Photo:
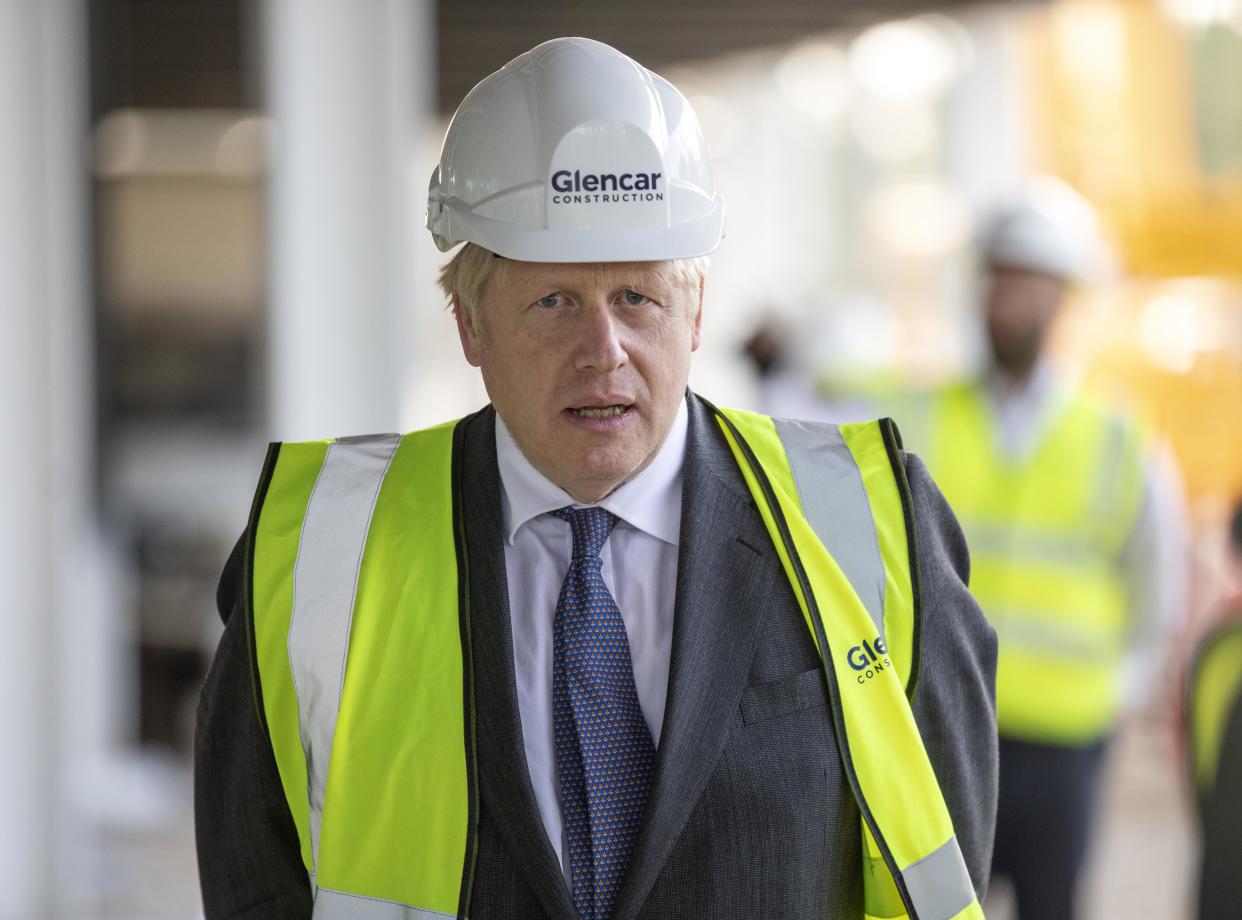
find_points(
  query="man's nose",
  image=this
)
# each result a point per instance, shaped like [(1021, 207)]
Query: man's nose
[(600, 345)]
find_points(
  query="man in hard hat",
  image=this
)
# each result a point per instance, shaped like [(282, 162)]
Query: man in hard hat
[(600, 649), (1075, 538)]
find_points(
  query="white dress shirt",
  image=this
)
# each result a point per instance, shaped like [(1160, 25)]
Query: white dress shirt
[(640, 569), (1023, 410)]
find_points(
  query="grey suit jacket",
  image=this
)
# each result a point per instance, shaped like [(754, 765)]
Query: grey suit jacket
[(749, 813)]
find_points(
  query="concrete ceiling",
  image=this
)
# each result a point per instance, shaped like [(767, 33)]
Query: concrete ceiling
[(478, 36), (206, 53)]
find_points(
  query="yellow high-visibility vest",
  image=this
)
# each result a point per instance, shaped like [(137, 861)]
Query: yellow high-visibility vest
[(1046, 534), (1215, 685), (362, 641)]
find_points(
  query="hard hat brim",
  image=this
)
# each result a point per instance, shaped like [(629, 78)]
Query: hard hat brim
[(686, 240)]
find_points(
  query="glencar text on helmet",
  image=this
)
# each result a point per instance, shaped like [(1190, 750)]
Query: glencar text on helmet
[(640, 186)]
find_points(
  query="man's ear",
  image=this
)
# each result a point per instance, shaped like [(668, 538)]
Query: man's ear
[(696, 327), (468, 332)]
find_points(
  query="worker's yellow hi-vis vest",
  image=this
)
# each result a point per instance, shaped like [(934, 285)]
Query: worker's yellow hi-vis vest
[(1214, 687), (360, 610), (1046, 534)]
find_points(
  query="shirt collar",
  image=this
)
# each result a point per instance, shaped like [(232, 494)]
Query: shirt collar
[(1039, 387), (650, 502)]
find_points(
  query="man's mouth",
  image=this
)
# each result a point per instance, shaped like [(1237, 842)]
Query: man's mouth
[(600, 411)]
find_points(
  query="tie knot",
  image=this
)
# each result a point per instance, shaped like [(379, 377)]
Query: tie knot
[(590, 528)]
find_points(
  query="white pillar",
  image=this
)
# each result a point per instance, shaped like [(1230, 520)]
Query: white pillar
[(44, 429), (342, 78)]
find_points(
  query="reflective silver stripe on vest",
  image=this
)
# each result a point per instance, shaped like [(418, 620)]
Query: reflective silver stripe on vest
[(837, 507), (325, 576), (1028, 629), (1108, 476), (1013, 543), (336, 905), (939, 884), (1108, 501)]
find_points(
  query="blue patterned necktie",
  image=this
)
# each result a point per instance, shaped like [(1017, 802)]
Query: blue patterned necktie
[(604, 752)]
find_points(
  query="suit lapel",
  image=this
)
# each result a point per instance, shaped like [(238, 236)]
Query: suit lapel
[(725, 574), (504, 779)]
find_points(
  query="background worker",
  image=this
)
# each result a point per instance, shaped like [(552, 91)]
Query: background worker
[(548, 661), (1075, 531), (1213, 724)]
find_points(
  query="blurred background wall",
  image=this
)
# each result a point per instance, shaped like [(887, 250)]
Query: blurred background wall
[(211, 237)]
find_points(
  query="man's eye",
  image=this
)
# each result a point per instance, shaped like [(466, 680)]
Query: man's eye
[(551, 300), (634, 299)]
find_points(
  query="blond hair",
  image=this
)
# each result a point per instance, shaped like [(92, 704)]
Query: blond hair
[(467, 275)]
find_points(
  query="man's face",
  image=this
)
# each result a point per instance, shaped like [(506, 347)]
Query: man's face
[(586, 364), (1018, 310)]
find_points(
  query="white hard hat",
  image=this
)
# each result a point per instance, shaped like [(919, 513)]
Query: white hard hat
[(1051, 229), (573, 152)]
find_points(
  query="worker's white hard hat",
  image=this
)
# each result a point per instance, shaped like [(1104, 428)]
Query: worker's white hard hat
[(573, 152), (1052, 229)]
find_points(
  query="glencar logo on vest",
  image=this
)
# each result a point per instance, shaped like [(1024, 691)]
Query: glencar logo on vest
[(578, 187), (869, 659)]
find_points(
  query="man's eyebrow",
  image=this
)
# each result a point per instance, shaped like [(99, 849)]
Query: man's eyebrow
[(657, 281)]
